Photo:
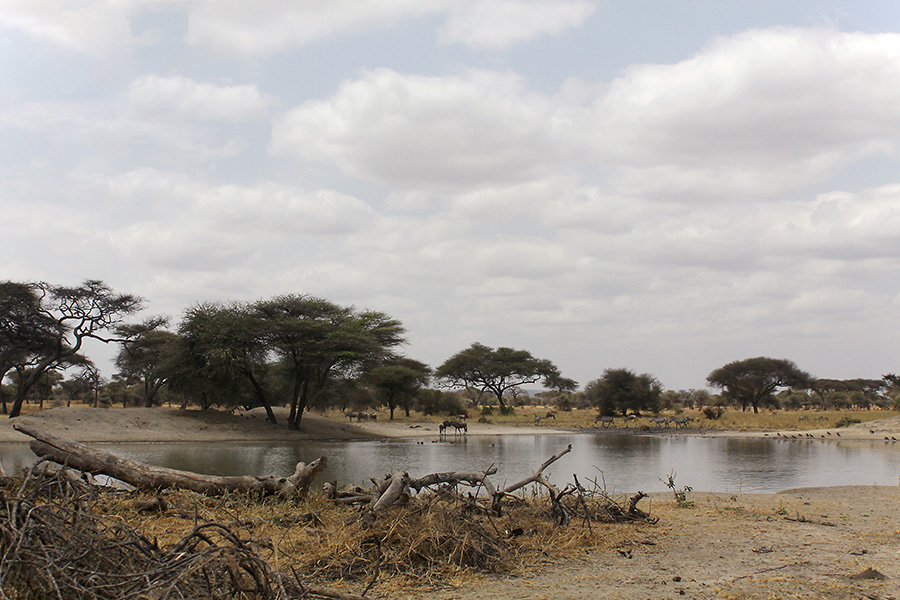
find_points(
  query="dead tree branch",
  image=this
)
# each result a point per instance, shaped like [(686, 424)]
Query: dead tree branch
[(146, 477)]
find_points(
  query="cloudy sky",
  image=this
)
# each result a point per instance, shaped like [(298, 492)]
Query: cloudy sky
[(660, 185)]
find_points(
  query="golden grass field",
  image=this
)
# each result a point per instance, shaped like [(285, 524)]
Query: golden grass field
[(731, 420)]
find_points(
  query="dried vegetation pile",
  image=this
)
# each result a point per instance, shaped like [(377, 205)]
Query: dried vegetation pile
[(62, 536)]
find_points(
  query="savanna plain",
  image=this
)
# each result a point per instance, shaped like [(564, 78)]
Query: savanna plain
[(823, 542)]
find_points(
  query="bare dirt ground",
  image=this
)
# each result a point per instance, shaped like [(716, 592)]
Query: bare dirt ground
[(828, 543), (160, 424)]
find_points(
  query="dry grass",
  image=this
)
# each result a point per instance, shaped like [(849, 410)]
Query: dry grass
[(426, 543), (731, 420)]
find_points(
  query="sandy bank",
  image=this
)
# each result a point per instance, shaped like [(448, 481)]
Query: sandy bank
[(174, 425)]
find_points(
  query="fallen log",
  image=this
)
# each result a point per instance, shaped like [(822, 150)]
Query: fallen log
[(147, 477)]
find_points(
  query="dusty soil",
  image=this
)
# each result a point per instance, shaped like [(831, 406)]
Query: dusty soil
[(829, 543), (160, 424)]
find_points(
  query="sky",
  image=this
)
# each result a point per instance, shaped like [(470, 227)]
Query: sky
[(664, 186)]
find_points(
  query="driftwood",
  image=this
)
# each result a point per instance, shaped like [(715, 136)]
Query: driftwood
[(536, 477), (146, 477), (573, 500)]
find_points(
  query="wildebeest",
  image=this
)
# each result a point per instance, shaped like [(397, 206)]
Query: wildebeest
[(550, 415), (456, 425), (362, 416), (604, 421)]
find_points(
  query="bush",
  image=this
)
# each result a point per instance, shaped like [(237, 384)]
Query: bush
[(714, 413), (507, 411), (844, 421)]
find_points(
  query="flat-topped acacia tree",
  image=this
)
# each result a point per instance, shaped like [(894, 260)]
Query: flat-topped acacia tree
[(751, 380), (484, 368), (308, 338), (316, 339)]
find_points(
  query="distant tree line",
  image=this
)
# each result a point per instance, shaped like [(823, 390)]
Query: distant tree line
[(303, 352)]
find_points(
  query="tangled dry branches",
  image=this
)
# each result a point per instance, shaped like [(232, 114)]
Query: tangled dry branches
[(62, 537)]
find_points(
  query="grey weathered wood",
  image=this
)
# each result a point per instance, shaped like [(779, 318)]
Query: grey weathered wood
[(147, 477)]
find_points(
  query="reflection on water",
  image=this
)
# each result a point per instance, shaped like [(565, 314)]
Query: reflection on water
[(618, 462)]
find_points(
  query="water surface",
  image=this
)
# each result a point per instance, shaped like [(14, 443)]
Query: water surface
[(618, 462)]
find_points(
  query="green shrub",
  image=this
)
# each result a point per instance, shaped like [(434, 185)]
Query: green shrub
[(714, 413), (844, 421)]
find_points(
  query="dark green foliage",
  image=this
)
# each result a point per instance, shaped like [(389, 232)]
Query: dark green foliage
[(844, 421), (439, 402), (714, 413), (752, 381), (620, 391), (482, 368), (43, 327), (308, 340), (146, 356), (397, 381)]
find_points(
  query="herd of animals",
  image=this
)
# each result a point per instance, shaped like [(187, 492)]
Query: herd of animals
[(460, 427)]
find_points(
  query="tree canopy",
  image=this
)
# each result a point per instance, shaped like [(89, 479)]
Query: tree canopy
[(146, 355), (315, 339), (397, 381), (307, 339), (752, 380), (620, 390), (43, 327), (482, 368)]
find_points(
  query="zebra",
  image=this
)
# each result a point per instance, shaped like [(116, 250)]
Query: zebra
[(604, 421), (660, 421), (537, 420), (681, 421)]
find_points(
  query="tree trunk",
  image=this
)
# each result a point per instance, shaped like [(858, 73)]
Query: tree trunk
[(146, 477), (261, 396)]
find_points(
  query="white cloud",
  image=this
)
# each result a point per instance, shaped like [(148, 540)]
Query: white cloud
[(499, 24), (433, 132), (764, 110), (153, 94), (96, 27), (264, 27), (268, 207), (270, 26), (235, 27)]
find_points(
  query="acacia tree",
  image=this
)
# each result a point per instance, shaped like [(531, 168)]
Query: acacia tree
[(620, 390), (397, 381), (752, 380), (146, 351), (45, 326), (483, 368), (221, 342), (316, 339)]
